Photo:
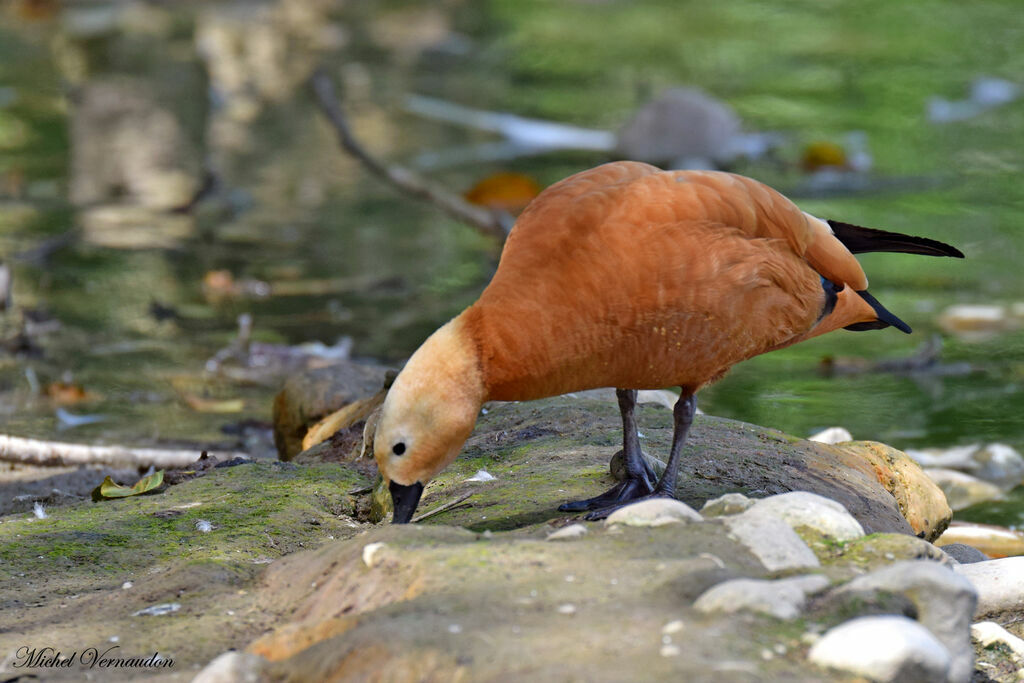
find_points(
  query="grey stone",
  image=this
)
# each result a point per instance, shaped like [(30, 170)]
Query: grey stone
[(963, 553), (654, 512), (999, 463), (771, 540), (1000, 585), (729, 504), (885, 649), (782, 598), (944, 600), (680, 122), (802, 508)]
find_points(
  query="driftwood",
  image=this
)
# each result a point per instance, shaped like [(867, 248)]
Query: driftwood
[(59, 454), (492, 223)]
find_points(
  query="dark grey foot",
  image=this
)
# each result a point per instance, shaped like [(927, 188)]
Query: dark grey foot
[(623, 493), (604, 512)]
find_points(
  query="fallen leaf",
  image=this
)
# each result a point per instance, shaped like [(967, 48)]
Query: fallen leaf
[(210, 405), (111, 489), (347, 416), (823, 154), (67, 393), (504, 191)]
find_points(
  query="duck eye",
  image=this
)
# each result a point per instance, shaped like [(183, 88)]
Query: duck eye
[(398, 448)]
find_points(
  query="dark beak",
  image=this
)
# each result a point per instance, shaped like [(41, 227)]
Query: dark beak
[(405, 499)]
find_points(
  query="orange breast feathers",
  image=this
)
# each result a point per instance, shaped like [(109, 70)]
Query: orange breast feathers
[(629, 276)]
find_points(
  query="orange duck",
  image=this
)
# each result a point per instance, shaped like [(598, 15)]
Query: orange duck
[(631, 277)]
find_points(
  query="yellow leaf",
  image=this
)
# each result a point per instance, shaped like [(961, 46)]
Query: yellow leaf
[(111, 489)]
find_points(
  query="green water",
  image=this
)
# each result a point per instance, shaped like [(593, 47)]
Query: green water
[(291, 207)]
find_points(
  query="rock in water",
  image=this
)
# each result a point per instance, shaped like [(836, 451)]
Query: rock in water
[(888, 649), (989, 541), (962, 490), (680, 124)]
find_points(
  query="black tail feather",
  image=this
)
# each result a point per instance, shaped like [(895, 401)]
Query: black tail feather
[(885, 318), (860, 240)]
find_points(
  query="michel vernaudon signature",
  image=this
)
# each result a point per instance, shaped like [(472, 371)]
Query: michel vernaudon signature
[(90, 658)]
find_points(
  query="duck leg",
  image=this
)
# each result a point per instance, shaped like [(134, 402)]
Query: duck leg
[(639, 479), (682, 414)]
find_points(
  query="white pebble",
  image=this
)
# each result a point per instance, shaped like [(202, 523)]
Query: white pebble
[(567, 608), (454, 628), (158, 610), (832, 435), (670, 651), (990, 633), (567, 533), (654, 512), (673, 627), (126, 585), (369, 551)]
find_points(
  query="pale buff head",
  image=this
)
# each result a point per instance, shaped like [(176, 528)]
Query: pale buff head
[(428, 414)]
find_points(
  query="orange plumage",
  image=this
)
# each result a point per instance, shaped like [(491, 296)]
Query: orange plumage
[(630, 277)]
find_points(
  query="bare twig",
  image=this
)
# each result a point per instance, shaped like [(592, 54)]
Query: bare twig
[(441, 508), (59, 454), (494, 224)]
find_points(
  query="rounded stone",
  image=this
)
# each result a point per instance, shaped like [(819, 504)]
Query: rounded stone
[(654, 512), (885, 649), (782, 598), (802, 508), (567, 533), (728, 504), (1000, 585)]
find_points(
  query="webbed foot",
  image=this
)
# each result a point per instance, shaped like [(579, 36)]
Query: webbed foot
[(623, 493)]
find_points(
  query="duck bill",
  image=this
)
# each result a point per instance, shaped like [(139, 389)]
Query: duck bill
[(404, 499)]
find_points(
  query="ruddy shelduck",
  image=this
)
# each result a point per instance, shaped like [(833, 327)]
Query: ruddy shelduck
[(630, 277)]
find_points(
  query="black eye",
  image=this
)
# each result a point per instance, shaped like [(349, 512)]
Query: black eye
[(398, 448)]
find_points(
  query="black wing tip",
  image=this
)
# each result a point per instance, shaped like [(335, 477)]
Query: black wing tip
[(859, 240)]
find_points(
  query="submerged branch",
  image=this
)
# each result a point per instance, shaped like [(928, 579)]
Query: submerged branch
[(59, 454), (491, 223)]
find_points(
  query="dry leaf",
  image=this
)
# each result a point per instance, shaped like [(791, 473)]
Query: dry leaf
[(504, 192), (341, 419), (212, 405), (111, 489)]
